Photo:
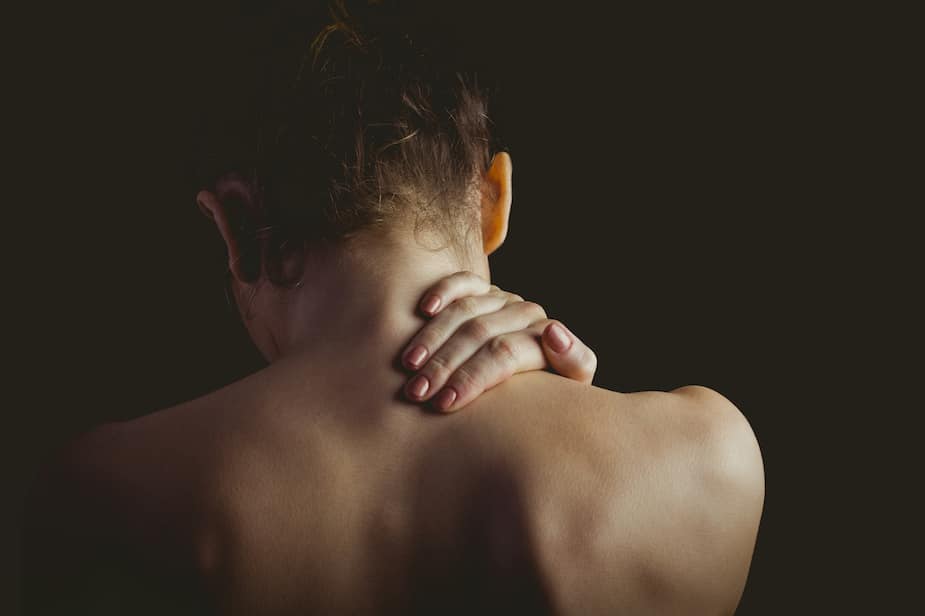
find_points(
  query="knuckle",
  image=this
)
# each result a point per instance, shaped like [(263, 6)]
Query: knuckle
[(476, 329), (438, 367), (502, 350), (534, 309), (431, 336), (468, 306), (516, 298), (465, 381)]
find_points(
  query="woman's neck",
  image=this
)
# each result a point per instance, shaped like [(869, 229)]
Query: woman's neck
[(360, 295)]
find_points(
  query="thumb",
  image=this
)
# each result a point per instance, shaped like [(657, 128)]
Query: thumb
[(568, 355)]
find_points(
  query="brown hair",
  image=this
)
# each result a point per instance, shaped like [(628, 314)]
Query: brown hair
[(376, 121)]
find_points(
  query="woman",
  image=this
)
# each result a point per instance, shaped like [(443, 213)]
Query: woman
[(320, 484)]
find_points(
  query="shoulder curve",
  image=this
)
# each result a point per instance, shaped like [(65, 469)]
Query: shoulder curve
[(64, 496), (727, 433), (682, 503), (60, 529), (71, 463), (729, 476)]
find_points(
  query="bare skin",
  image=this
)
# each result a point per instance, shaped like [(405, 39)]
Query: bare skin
[(317, 486)]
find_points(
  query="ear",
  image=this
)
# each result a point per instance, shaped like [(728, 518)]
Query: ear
[(212, 207), (496, 201)]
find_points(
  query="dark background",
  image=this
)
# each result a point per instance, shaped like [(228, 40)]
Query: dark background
[(693, 195)]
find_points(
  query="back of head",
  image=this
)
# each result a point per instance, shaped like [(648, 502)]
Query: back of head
[(360, 116)]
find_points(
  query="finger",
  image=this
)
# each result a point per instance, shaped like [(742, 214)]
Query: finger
[(494, 363), (511, 297), (567, 354), (449, 289), (519, 351), (466, 340), (438, 330)]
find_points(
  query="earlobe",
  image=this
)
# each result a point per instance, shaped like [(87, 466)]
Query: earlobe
[(497, 196)]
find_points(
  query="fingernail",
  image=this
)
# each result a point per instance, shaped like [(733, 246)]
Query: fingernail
[(431, 304), (415, 356), (559, 341), (418, 386), (445, 398)]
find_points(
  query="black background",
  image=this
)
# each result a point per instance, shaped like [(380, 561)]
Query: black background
[(689, 197)]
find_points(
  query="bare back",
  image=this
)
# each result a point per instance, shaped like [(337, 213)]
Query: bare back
[(293, 492)]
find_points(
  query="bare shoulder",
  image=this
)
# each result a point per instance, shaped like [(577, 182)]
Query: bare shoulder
[(86, 491), (68, 529), (646, 502), (108, 516), (70, 486), (125, 468), (716, 504)]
